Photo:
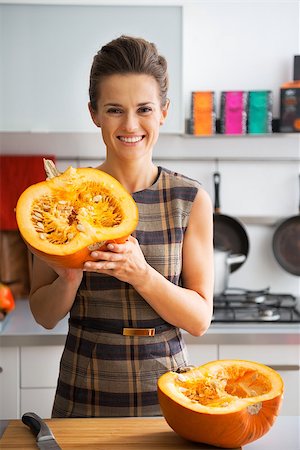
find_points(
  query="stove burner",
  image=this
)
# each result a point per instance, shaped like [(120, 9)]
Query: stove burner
[(258, 298), (241, 305), (269, 315), (253, 296)]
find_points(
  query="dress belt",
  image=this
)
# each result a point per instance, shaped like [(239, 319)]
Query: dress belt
[(106, 326)]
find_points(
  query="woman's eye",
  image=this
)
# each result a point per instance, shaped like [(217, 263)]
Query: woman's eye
[(114, 111), (145, 109)]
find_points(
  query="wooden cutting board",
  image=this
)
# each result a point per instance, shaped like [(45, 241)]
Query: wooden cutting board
[(105, 433)]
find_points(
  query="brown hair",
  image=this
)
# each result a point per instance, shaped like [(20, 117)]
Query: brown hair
[(125, 55)]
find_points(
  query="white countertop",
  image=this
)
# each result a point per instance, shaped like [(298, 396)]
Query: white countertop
[(20, 326)]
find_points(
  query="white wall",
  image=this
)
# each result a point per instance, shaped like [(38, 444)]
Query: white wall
[(47, 52), (232, 45)]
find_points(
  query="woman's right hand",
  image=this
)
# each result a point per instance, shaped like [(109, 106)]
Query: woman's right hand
[(67, 274)]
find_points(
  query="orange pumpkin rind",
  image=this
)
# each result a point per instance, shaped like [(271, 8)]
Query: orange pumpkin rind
[(64, 218), (225, 403)]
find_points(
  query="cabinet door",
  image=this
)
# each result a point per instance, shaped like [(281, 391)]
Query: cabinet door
[(283, 358), (202, 354), (40, 366), (38, 400), (9, 383)]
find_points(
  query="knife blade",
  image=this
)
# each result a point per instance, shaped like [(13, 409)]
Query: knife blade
[(44, 436)]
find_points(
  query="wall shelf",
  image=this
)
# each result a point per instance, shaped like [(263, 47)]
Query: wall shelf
[(194, 158), (243, 136), (274, 133)]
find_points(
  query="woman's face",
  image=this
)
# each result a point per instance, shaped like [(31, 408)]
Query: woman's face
[(129, 114)]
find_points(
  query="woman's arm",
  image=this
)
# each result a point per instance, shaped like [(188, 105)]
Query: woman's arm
[(53, 292), (188, 307)]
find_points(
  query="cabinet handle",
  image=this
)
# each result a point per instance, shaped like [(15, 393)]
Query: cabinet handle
[(285, 367), (1, 369)]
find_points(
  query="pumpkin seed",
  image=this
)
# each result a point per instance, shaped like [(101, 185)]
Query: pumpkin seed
[(83, 212), (37, 214), (40, 225)]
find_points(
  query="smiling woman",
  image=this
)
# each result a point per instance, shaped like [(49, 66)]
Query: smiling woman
[(130, 301)]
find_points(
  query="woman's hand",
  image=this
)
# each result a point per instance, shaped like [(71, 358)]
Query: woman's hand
[(123, 261), (69, 275)]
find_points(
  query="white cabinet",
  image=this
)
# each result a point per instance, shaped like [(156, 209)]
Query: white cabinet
[(40, 365), (9, 382), (28, 379), (283, 358), (39, 374), (202, 354), (198, 353), (38, 400)]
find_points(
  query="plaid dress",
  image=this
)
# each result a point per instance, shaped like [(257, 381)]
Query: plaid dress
[(104, 374)]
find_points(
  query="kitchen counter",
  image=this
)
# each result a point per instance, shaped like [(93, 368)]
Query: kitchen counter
[(21, 329), (139, 434)]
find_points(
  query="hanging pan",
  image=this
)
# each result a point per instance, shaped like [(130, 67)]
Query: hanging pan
[(229, 233), (286, 244)]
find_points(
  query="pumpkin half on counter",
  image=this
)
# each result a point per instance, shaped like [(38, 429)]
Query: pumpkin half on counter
[(225, 403), (67, 216)]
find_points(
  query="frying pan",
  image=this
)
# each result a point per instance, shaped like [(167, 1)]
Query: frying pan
[(229, 233), (286, 244)]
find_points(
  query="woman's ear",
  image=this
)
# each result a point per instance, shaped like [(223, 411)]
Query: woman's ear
[(164, 112), (93, 114)]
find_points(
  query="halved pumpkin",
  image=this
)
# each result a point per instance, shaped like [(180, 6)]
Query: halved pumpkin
[(226, 403), (65, 217)]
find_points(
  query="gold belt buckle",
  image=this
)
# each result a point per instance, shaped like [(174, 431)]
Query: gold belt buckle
[(138, 331)]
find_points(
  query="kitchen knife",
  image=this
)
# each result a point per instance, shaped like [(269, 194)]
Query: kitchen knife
[(44, 436)]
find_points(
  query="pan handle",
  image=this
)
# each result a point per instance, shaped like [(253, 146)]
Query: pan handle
[(217, 180)]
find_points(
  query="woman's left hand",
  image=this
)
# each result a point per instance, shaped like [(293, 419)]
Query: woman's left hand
[(123, 261)]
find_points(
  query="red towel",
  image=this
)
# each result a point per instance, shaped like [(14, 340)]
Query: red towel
[(16, 174)]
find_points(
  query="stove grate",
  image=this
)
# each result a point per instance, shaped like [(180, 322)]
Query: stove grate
[(255, 306)]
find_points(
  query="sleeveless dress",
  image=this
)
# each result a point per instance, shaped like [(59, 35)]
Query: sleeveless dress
[(107, 374)]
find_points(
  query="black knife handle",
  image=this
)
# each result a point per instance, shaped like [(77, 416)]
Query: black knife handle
[(37, 425)]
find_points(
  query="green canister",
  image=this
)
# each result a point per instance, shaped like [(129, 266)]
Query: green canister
[(260, 112)]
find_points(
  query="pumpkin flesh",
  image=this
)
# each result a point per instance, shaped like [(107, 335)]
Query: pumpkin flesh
[(64, 218), (226, 403)]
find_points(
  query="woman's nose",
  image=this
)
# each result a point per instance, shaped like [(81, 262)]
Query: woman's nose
[(130, 122)]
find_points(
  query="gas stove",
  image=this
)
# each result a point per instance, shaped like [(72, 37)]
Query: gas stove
[(241, 305)]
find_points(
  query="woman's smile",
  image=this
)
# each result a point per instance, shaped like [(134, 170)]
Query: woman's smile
[(130, 140)]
